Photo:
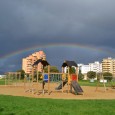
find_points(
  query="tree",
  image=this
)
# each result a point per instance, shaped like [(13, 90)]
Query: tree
[(53, 69), (91, 74), (72, 70), (80, 75), (22, 73), (107, 76)]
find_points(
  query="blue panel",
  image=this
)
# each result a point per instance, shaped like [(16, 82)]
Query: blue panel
[(46, 77)]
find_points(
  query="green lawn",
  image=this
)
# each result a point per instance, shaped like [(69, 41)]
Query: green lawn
[(8, 82), (10, 105), (95, 83), (2, 81)]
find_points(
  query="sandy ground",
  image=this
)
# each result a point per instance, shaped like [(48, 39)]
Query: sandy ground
[(30, 90)]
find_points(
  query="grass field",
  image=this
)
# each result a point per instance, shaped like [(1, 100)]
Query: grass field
[(2, 81), (95, 83), (10, 105), (8, 82)]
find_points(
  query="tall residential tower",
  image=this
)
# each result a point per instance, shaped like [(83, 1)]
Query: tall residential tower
[(29, 61), (108, 65)]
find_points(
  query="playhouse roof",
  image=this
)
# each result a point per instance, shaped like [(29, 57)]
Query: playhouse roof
[(43, 62), (69, 63)]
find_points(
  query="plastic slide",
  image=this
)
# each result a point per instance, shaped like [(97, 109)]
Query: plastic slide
[(76, 87), (60, 86)]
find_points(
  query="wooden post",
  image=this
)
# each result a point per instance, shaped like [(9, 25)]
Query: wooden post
[(68, 78), (62, 69), (16, 79), (43, 83), (24, 81), (32, 74), (62, 82), (77, 73), (98, 84), (104, 84), (19, 76), (48, 79), (8, 78), (5, 79), (37, 75), (62, 78)]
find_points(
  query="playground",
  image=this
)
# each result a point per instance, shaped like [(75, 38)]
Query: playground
[(53, 85)]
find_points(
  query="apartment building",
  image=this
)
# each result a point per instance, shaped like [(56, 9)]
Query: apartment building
[(84, 68), (29, 61), (108, 65), (96, 67)]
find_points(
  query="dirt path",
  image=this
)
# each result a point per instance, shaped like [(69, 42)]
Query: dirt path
[(89, 92)]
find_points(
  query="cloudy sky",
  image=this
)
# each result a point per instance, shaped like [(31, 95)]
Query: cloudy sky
[(79, 30)]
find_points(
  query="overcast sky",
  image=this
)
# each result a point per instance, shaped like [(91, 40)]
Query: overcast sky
[(28, 23)]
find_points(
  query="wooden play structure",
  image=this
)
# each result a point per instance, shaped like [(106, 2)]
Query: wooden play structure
[(72, 77), (33, 83), (12, 78), (47, 78)]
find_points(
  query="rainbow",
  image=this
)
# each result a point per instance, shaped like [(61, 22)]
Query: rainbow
[(56, 45)]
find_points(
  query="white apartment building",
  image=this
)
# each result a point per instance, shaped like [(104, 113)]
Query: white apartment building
[(84, 68), (96, 67)]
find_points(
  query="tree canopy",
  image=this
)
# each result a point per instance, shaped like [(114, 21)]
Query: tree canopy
[(22, 73), (91, 74), (53, 69), (107, 76), (72, 70), (80, 75)]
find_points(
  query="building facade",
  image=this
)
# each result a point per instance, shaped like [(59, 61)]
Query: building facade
[(96, 67), (84, 68), (29, 61), (108, 65)]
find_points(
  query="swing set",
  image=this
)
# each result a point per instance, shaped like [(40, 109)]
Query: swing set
[(106, 83), (12, 78)]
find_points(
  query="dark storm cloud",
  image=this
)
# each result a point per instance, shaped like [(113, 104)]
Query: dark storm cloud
[(26, 23)]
